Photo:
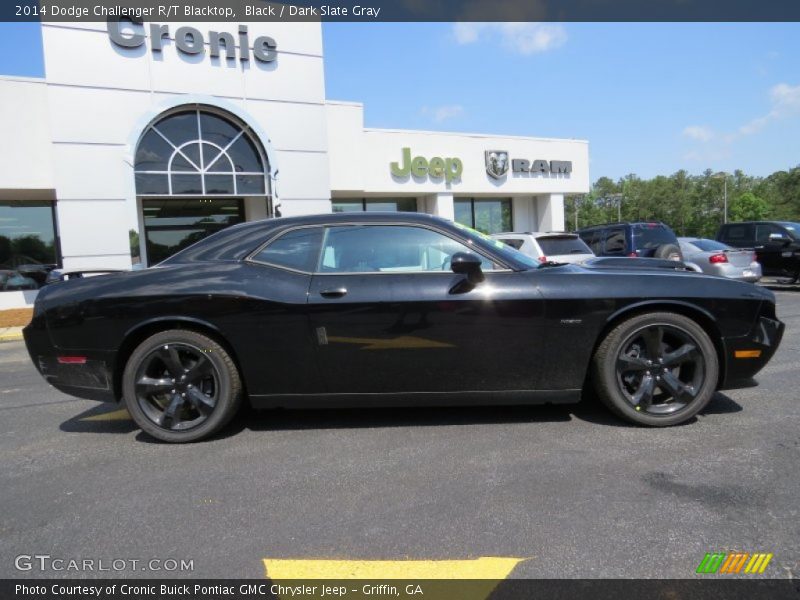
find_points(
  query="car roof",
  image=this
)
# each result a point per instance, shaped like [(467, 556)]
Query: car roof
[(236, 242), (622, 224), (538, 234)]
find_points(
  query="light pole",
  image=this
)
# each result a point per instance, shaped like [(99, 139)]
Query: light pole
[(618, 198), (724, 176)]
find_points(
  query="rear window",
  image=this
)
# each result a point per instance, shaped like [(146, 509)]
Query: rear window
[(708, 245), (557, 246), (652, 236), (514, 243)]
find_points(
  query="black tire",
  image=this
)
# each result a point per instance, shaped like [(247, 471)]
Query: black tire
[(634, 361), (668, 252), (181, 386)]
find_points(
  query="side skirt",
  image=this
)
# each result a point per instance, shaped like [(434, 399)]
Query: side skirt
[(491, 398)]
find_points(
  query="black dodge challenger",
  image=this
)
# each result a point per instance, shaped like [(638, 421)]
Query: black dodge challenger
[(375, 309)]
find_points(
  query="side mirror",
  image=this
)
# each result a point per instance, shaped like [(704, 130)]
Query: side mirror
[(466, 263)]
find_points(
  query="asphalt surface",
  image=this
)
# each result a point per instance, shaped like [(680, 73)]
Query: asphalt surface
[(572, 490)]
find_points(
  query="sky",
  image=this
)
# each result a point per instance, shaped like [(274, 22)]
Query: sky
[(651, 98)]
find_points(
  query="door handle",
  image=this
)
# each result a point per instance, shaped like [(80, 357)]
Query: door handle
[(333, 292)]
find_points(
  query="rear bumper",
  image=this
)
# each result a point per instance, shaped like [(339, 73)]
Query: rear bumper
[(745, 356), (91, 378)]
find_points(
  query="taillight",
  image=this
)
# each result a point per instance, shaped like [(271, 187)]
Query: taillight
[(72, 360), (715, 259), (633, 255), (754, 258), (542, 259)]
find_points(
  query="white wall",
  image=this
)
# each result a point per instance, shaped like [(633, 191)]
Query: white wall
[(25, 152), (100, 96), (360, 160)]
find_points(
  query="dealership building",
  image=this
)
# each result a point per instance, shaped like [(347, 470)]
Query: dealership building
[(145, 137)]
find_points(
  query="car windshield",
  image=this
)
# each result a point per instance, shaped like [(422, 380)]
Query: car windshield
[(709, 245), (563, 244), (499, 247), (793, 229), (652, 235)]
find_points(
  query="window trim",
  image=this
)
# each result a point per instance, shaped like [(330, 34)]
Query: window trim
[(250, 257), (203, 170)]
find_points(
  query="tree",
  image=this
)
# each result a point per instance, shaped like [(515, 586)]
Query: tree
[(747, 207), (133, 236)]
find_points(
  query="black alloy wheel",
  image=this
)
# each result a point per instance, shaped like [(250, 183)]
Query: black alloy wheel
[(181, 386), (656, 369)]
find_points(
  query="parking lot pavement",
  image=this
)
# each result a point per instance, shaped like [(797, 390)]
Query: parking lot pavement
[(570, 491)]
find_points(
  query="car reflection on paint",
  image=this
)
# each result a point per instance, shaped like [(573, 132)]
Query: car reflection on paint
[(392, 309), (12, 281)]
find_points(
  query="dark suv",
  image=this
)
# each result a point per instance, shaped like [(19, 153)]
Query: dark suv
[(777, 244), (644, 240)]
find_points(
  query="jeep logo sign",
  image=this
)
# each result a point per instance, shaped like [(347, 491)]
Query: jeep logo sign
[(130, 33), (436, 167)]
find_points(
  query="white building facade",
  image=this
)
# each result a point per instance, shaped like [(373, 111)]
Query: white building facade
[(144, 137)]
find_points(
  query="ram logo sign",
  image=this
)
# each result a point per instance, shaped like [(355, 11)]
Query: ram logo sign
[(734, 563)]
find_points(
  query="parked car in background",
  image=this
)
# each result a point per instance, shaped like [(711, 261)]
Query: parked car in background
[(37, 272), (777, 244), (716, 258), (14, 281), (642, 240), (558, 247)]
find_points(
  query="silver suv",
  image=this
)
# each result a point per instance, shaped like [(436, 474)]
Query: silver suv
[(550, 246)]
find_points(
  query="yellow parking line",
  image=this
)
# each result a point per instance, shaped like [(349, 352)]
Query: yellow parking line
[(487, 567), (117, 415)]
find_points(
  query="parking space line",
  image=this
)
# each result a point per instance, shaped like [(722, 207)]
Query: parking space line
[(487, 567)]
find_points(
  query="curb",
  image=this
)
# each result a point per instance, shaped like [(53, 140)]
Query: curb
[(11, 337)]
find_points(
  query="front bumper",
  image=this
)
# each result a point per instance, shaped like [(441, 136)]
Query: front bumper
[(745, 356)]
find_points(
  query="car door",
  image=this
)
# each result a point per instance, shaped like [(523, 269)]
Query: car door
[(276, 347), (770, 247), (390, 316)]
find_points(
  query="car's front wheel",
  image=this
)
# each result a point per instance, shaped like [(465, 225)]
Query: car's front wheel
[(656, 369), (181, 386)]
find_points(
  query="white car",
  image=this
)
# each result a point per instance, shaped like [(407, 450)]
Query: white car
[(550, 246)]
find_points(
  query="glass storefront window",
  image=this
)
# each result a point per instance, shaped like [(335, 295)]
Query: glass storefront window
[(487, 215), (375, 204), (27, 244), (173, 224)]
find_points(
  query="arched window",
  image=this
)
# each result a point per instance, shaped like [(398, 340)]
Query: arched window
[(200, 152)]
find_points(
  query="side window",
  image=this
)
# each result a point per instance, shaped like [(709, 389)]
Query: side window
[(764, 230), (387, 249), (615, 241), (735, 233), (297, 249), (594, 240)]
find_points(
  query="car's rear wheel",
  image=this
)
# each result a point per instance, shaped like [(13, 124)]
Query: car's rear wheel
[(181, 386), (656, 369)]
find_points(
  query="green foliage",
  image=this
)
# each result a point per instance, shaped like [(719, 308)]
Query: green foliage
[(133, 237), (748, 207), (693, 205)]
